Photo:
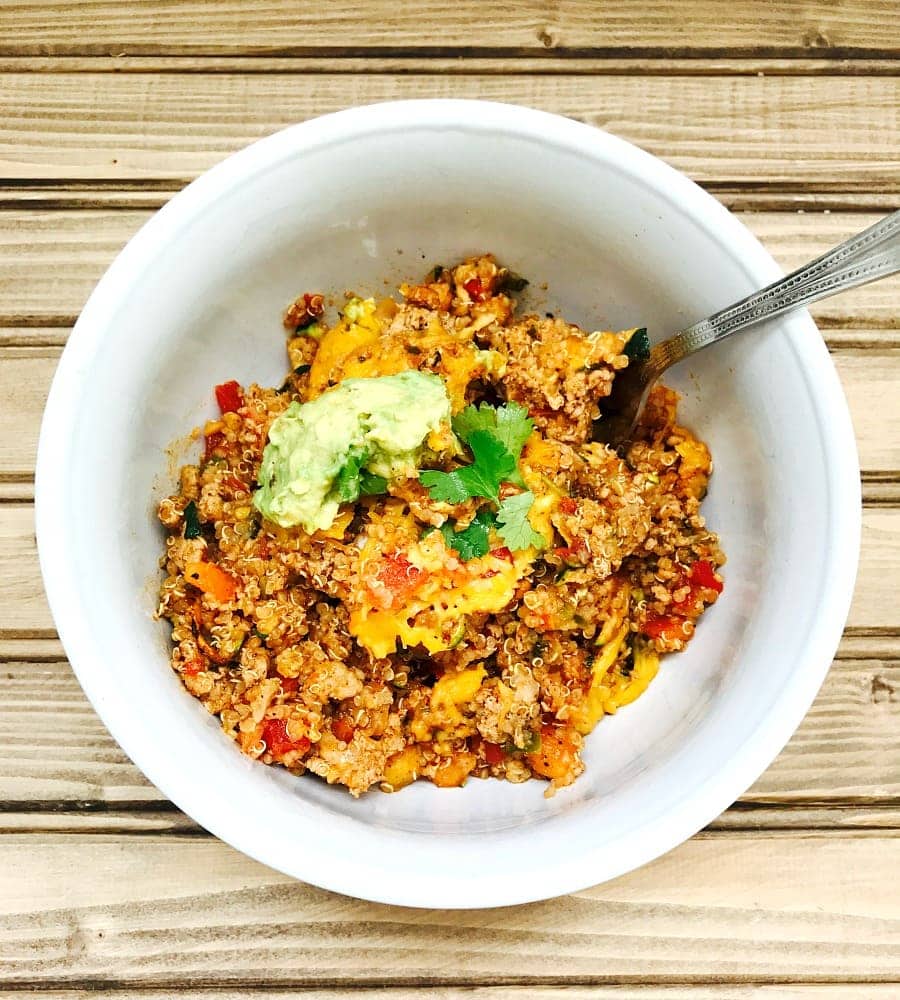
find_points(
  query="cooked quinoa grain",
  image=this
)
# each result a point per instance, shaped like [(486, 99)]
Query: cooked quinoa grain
[(433, 631)]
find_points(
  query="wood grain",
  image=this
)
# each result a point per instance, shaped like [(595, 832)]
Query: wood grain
[(54, 749), (162, 818), (51, 260), (786, 112), (755, 991), (254, 26), (144, 194), (804, 131), (710, 911), (595, 62), (870, 380)]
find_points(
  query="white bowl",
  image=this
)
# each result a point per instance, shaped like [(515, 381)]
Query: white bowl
[(621, 239)]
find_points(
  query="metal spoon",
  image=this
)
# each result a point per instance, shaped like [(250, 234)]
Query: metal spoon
[(872, 254)]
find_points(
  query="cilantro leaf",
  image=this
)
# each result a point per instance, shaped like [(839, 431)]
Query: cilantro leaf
[(353, 481), (191, 521), (638, 346), (493, 463), (347, 480), (514, 427), (513, 525), (509, 424), (475, 418), (473, 540), (446, 486), (371, 485)]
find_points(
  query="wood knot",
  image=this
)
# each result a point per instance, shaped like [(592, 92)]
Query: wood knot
[(546, 38), (813, 38), (883, 691)]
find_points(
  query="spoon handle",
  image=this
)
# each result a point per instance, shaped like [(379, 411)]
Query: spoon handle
[(871, 254)]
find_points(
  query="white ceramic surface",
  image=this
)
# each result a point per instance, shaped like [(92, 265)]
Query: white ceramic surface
[(384, 192)]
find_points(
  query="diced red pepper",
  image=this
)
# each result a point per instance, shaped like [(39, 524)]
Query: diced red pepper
[(663, 626), (398, 576), (342, 729), (493, 752), (476, 289), (578, 552), (568, 506), (194, 666), (703, 575), (289, 685), (503, 553), (278, 741), (229, 397), (214, 441)]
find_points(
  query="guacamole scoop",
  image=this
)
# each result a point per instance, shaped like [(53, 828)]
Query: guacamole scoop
[(348, 441)]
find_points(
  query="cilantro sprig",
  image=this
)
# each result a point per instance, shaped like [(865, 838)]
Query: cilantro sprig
[(495, 435), (509, 424), (493, 464)]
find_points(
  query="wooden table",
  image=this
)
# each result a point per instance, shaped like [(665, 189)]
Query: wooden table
[(788, 113)]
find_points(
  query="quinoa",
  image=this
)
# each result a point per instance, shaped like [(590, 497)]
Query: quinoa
[(295, 640)]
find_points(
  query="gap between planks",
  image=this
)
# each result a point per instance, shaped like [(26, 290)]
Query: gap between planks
[(161, 819), (686, 991), (63, 194), (461, 64)]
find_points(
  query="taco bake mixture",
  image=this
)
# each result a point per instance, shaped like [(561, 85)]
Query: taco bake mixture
[(410, 561)]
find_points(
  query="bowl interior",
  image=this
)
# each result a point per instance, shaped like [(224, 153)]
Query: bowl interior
[(617, 245)]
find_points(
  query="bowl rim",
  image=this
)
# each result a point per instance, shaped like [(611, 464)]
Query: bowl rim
[(444, 889)]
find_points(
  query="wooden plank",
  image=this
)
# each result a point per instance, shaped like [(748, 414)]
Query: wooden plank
[(841, 750), (756, 991), (279, 26), (872, 386), (24, 608), (25, 375), (51, 260), (800, 130), (503, 62), (870, 379), (163, 819), (50, 649), (24, 612), (181, 912), (758, 817), (54, 749)]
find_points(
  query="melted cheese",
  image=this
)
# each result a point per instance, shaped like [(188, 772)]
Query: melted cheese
[(435, 616), (360, 347), (450, 696), (348, 337)]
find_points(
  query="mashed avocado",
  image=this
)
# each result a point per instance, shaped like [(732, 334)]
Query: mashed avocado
[(328, 451)]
